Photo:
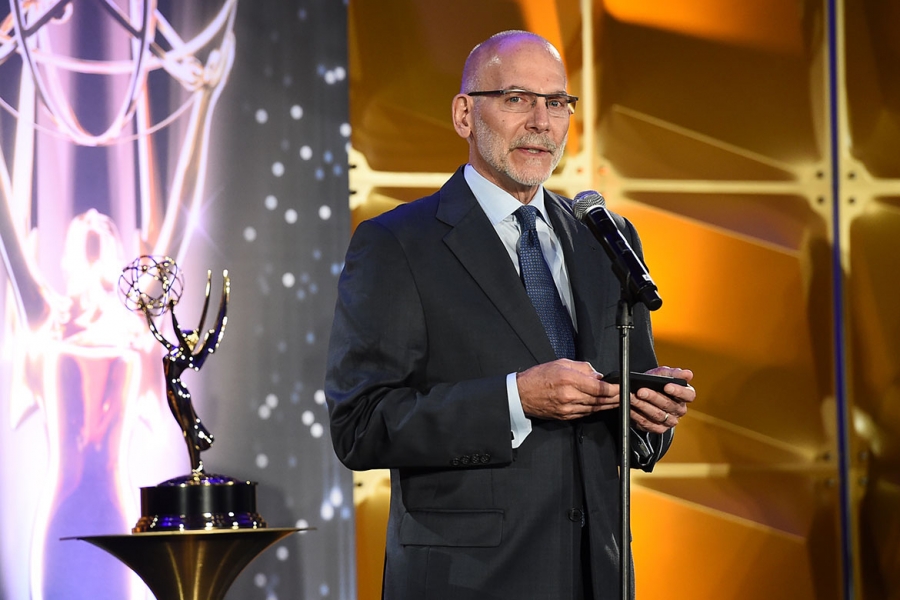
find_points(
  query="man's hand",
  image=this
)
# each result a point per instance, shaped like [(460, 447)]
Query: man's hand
[(655, 412), (564, 390)]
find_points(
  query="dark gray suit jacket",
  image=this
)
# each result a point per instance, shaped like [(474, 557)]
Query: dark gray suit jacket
[(431, 317)]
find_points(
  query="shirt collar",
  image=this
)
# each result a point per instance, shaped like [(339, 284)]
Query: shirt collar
[(497, 203)]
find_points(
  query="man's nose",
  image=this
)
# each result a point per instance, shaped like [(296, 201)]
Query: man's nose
[(539, 117)]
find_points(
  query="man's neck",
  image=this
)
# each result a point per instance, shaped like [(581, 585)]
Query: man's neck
[(523, 193)]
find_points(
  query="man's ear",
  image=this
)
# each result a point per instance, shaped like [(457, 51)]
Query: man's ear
[(462, 115)]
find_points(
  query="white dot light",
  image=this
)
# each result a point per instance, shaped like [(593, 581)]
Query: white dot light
[(345, 129), (324, 212), (306, 152), (297, 112), (264, 412), (316, 430), (319, 397), (277, 169), (271, 202), (282, 553), (262, 116), (272, 401), (290, 215), (308, 418), (288, 280), (262, 461), (249, 234), (260, 579)]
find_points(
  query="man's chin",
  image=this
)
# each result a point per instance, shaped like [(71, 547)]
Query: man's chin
[(535, 173), (531, 177)]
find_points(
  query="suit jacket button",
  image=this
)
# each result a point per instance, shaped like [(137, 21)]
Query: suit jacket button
[(485, 458), (575, 515), (454, 462), (464, 460)]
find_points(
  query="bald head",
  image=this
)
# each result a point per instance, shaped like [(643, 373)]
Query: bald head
[(490, 52)]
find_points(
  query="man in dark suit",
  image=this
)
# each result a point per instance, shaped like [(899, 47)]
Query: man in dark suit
[(493, 417)]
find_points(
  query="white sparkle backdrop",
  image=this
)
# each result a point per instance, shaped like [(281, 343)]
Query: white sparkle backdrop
[(280, 223)]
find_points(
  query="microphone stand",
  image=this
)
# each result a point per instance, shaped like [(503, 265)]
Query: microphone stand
[(625, 323), (637, 286)]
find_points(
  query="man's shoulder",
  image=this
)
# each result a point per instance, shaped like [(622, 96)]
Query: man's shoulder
[(420, 212), (410, 213)]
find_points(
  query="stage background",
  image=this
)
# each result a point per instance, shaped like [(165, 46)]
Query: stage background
[(755, 146), (83, 419)]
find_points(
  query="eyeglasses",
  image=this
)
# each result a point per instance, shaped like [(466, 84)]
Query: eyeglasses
[(523, 101)]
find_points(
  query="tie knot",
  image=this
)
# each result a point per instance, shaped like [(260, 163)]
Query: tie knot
[(526, 215)]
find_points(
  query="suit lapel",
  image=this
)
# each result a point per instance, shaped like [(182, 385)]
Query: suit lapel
[(475, 243), (593, 287)]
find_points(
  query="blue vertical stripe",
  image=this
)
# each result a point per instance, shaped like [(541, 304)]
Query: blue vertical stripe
[(840, 359)]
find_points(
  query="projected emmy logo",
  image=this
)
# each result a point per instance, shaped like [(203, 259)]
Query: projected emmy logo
[(199, 500), (106, 112)]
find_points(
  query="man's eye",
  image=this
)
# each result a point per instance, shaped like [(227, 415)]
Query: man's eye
[(556, 102), (516, 98)]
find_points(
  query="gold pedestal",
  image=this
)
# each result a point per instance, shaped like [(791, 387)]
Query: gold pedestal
[(189, 565)]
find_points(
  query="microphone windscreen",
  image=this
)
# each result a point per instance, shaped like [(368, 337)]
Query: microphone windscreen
[(585, 201)]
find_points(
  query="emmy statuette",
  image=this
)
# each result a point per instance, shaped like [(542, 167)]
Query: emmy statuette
[(196, 531)]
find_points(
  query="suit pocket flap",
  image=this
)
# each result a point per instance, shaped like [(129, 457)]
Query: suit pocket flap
[(475, 528)]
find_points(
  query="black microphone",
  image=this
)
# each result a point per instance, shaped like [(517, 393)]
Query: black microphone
[(590, 209)]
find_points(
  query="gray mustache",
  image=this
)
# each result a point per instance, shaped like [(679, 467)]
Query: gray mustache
[(535, 140)]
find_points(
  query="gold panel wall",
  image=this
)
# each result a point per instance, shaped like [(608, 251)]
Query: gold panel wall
[(869, 201), (711, 124)]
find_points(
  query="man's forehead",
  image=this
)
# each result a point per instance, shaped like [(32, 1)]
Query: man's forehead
[(520, 71)]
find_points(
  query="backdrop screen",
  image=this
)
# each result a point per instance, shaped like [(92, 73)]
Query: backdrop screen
[(214, 133)]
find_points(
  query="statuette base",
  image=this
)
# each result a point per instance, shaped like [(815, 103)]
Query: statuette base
[(199, 502)]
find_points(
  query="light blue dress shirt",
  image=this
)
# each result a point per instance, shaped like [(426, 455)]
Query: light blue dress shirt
[(499, 207)]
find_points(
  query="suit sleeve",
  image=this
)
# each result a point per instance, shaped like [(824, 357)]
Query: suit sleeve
[(647, 448), (387, 410)]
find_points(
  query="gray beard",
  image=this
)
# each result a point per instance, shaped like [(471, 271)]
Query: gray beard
[(487, 142)]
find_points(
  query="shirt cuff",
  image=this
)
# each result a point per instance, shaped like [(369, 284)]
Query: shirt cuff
[(519, 424)]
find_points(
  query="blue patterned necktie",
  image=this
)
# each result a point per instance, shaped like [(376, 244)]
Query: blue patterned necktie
[(541, 288)]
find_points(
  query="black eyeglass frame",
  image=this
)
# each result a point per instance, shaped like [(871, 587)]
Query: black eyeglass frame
[(570, 100)]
